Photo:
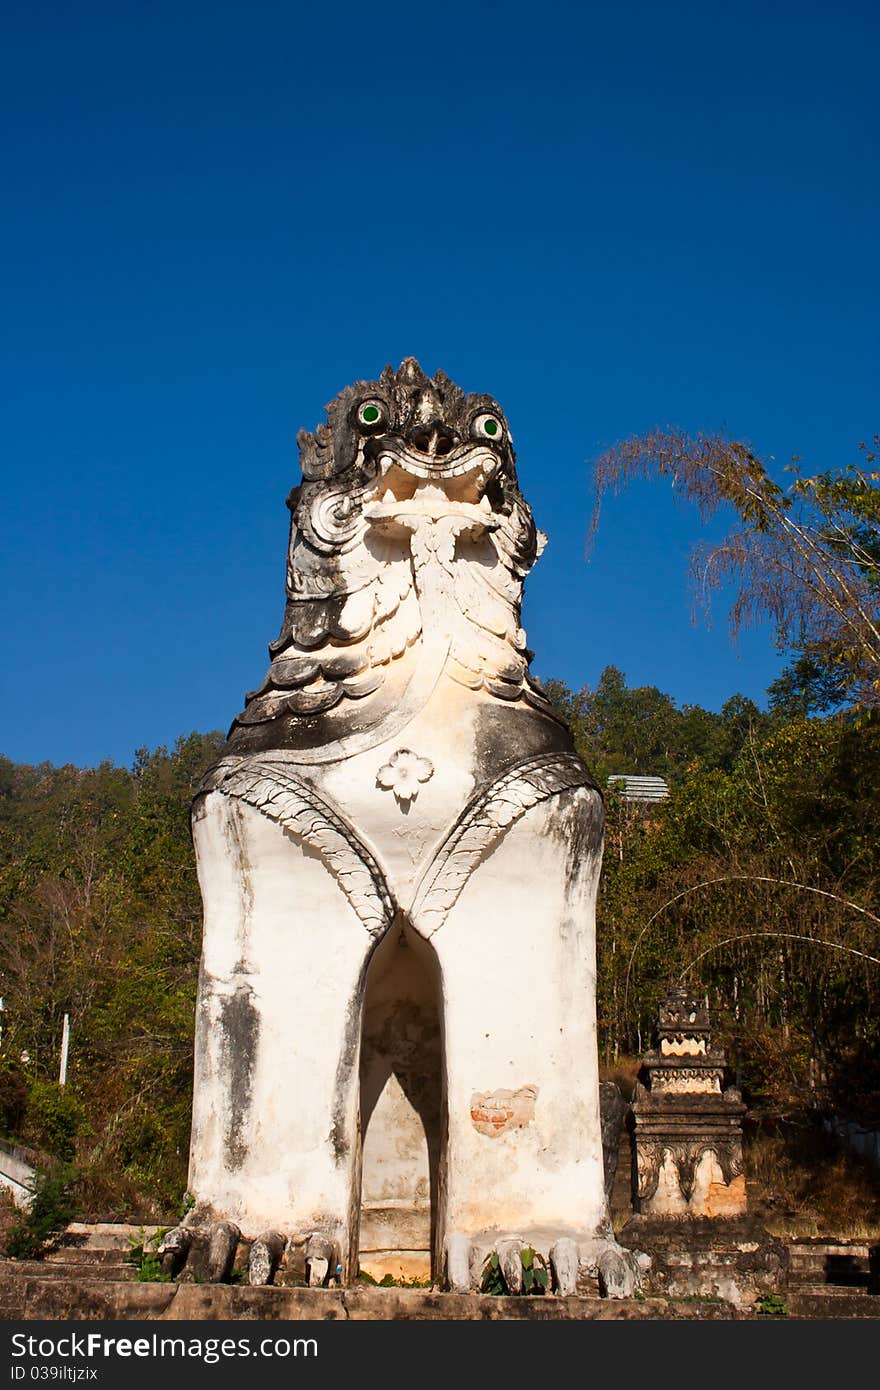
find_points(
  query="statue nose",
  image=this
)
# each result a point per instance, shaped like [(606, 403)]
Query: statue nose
[(434, 438)]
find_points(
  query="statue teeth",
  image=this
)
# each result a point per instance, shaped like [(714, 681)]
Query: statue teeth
[(485, 504), (388, 496)]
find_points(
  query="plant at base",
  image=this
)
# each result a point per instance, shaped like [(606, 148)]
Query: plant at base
[(144, 1255), (535, 1277), (772, 1305), (51, 1208)]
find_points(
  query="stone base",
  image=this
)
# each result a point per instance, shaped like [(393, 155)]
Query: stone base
[(30, 1298), (734, 1259)]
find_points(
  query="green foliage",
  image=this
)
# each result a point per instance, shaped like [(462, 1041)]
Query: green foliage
[(54, 1117), (639, 730), (806, 557), (755, 881), (52, 1207), (13, 1096), (145, 1257), (535, 1276), (772, 1305), (102, 920)]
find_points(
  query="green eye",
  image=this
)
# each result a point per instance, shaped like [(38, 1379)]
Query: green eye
[(488, 427), (371, 413)]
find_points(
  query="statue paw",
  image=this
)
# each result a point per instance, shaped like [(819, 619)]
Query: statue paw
[(173, 1250), (458, 1260), (265, 1257), (322, 1260), (200, 1254), (564, 1262), (620, 1271)]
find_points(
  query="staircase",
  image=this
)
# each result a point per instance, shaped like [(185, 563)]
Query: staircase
[(86, 1254), (832, 1278)]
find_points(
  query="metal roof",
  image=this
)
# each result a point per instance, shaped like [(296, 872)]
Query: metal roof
[(639, 788)]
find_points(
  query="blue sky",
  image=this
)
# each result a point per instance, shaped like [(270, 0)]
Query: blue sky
[(216, 216)]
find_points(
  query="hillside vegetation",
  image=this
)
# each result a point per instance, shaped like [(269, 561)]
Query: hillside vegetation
[(756, 882)]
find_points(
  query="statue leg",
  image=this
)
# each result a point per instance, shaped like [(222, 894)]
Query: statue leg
[(517, 956), (275, 1147)]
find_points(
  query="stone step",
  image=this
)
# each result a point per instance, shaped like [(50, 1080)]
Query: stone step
[(832, 1290), (44, 1269), (107, 1235), (825, 1305), (88, 1255), (819, 1257), (700, 1259), (820, 1278), (104, 1300), (832, 1247), (843, 1270)]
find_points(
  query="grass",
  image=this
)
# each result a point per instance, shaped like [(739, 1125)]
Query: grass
[(802, 1185)]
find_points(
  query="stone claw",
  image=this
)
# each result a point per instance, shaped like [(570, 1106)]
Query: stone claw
[(510, 1262), (223, 1240), (204, 1254), (620, 1271), (321, 1261), (564, 1261), (458, 1262), (265, 1257), (173, 1250)]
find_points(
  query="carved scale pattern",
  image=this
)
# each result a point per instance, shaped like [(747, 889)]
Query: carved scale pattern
[(484, 820), (270, 787), (276, 792)]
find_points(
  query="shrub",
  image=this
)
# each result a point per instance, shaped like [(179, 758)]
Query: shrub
[(52, 1207), (54, 1117), (13, 1097)]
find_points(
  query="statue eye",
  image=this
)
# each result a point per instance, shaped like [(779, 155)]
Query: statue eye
[(488, 427), (371, 414)]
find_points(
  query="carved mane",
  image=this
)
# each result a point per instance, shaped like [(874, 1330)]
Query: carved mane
[(359, 585)]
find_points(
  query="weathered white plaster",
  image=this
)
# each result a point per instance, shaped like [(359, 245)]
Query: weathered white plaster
[(276, 1102), (517, 964), (398, 784)]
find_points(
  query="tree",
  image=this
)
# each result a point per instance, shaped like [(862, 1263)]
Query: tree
[(806, 556)]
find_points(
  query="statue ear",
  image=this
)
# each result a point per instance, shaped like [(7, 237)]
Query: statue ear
[(315, 453)]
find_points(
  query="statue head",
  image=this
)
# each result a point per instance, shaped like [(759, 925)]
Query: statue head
[(408, 529)]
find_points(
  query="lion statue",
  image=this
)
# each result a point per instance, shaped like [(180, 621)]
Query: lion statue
[(398, 854)]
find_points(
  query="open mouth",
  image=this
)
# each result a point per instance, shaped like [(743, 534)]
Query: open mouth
[(416, 483)]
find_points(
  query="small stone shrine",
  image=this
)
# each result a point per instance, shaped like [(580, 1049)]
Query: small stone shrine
[(687, 1128)]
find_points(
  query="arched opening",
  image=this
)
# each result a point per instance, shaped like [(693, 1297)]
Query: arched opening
[(402, 1108)]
